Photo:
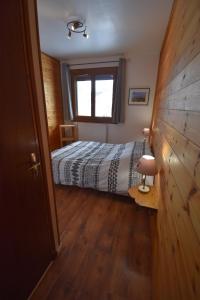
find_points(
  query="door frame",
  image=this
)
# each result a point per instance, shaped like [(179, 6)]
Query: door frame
[(37, 85)]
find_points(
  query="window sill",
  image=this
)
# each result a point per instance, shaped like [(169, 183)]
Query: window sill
[(94, 120)]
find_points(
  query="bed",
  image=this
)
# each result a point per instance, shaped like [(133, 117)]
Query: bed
[(101, 166)]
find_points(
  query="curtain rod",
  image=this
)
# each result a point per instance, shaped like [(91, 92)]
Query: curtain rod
[(94, 63)]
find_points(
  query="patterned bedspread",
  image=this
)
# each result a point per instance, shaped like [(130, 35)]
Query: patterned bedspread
[(102, 166)]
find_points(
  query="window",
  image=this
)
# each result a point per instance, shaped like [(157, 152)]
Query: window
[(93, 93)]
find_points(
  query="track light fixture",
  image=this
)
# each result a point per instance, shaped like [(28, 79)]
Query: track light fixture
[(77, 26)]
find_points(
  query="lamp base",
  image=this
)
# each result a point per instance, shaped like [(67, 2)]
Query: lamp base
[(143, 188)]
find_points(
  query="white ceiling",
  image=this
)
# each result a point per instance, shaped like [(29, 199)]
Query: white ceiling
[(115, 26)]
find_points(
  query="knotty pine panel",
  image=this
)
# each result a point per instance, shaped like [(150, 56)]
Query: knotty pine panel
[(185, 38), (176, 143), (187, 151), (184, 99), (53, 98)]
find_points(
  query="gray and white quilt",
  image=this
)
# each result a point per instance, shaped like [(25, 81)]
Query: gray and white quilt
[(101, 166)]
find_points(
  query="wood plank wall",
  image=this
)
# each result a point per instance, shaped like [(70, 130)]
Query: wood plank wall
[(53, 98), (176, 142)]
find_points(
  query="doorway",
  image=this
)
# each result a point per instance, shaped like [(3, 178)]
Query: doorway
[(29, 242)]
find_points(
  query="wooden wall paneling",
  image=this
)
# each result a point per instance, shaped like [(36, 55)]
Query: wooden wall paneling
[(176, 143), (181, 289), (189, 75), (187, 241), (186, 122), (188, 152), (186, 50), (192, 127), (172, 263), (166, 254), (53, 98), (172, 240), (191, 51), (184, 30), (175, 118), (172, 164), (185, 36), (184, 99)]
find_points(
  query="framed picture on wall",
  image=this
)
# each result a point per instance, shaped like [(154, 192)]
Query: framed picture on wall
[(138, 96)]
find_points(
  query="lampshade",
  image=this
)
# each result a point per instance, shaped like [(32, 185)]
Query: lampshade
[(147, 165), (146, 131)]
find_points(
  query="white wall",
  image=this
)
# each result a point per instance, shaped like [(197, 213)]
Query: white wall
[(141, 71)]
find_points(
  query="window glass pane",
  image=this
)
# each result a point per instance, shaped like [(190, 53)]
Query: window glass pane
[(103, 97), (84, 97)]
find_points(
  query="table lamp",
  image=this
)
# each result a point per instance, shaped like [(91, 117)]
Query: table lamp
[(146, 132), (147, 167)]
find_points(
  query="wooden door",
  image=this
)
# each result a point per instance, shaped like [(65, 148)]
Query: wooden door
[(25, 226)]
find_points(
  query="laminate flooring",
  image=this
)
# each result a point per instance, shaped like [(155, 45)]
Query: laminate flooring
[(106, 249)]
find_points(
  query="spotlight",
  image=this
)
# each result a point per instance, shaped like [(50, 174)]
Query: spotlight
[(69, 34), (86, 35)]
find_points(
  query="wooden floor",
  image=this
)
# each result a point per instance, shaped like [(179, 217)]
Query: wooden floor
[(106, 249)]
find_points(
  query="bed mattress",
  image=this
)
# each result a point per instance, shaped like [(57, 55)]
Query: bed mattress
[(101, 166)]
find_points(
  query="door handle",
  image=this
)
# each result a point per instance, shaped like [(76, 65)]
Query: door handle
[(33, 158), (35, 164)]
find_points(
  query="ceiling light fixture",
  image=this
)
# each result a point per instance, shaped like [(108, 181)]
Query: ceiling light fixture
[(77, 26)]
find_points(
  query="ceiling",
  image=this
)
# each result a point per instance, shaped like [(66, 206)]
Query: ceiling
[(115, 26)]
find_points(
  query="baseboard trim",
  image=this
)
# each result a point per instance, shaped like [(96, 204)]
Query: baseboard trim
[(40, 280), (58, 250)]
